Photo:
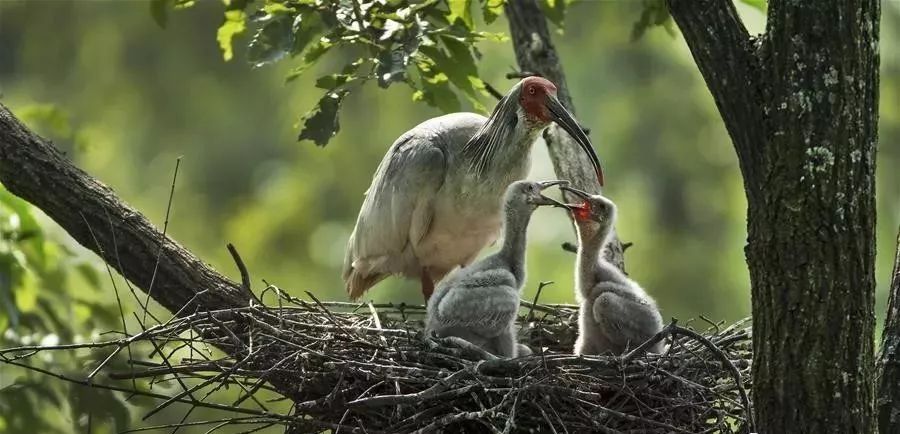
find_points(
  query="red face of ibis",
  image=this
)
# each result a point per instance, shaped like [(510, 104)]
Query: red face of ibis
[(538, 99), (533, 98)]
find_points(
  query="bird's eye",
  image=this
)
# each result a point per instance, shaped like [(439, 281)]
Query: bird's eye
[(531, 90)]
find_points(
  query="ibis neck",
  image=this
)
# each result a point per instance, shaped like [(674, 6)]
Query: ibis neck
[(591, 240), (515, 230), (502, 143)]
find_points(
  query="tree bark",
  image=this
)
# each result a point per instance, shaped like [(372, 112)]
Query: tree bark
[(888, 395), (33, 169), (801, 107), (535, 53)]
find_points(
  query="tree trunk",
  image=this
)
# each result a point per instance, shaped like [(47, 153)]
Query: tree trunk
[(801, 106), (888, 402), (535, 53)]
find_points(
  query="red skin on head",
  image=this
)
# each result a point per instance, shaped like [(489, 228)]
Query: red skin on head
[(582, 212), (533, 97)]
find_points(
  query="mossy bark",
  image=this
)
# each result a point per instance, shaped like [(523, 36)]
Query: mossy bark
[(888, 401), (801, 106)]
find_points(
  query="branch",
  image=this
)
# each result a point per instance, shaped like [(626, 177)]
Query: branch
[(725, 55), (536, 54), (33, 169), (888, 382)]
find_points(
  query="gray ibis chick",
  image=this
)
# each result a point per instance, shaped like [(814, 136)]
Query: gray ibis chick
[(615, 313), (434, 202), (479, 302)]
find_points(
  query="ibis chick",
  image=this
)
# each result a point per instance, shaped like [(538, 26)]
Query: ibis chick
[(479, 302), (615, 313), (434, 202)]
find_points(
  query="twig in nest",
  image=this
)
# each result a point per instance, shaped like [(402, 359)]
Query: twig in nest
[(745, 399), (242, 268), (162, 240), (537, 295), (330, 316), (245, 276), (658, 337)]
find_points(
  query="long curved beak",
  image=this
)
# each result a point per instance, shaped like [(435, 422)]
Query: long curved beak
[(544, 200), (563, 118), (582, 194)]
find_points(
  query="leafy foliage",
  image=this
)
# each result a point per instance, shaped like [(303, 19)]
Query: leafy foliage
[(388, 42), (34, 271), (38, 280)]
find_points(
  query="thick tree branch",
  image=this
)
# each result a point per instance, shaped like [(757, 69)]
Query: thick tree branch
[(535, 53), (802, 110), (888, 397), (725, 55), (33, 169)]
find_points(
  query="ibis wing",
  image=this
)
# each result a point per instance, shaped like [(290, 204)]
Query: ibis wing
[(398, 206)]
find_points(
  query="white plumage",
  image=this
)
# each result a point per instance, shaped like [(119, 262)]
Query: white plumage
[(434, 202)]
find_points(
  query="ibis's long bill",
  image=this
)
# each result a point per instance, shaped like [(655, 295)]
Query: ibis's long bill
[(563, 118), (544, 200)]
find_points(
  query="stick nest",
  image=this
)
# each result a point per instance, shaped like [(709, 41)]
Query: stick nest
[(367, 368)]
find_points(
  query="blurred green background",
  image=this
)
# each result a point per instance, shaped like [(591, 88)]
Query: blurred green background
[(124, 98)]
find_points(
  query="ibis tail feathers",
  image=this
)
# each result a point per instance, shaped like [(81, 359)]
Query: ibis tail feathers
[(358, 283)]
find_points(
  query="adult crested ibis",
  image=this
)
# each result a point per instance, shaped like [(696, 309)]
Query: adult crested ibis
[(479, 303), (615, 313), (434, 202)]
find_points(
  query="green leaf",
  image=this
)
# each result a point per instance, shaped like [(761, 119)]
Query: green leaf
[(7, 295), (321, 123), (760, 5), (159, 10), (655, 13), (271, 43), (491, 9), (461, 10), (555, 11), (314, 52), (235, 24), (392, 63), (334, 81), (307, 27), (459, 66), (435, 86)]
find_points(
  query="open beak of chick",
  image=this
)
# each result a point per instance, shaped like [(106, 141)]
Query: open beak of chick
[(580, 193), (564, 119), (542, 200), (585, 196)]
